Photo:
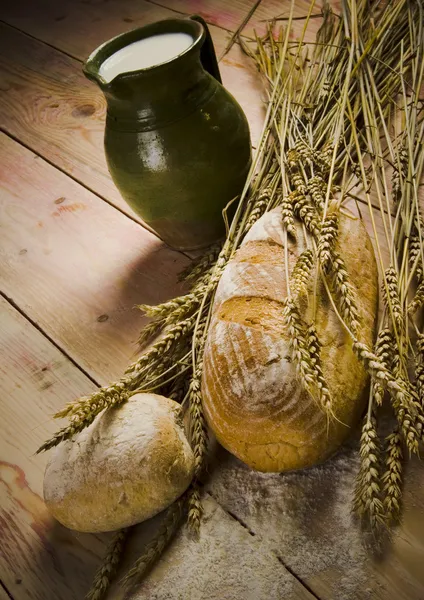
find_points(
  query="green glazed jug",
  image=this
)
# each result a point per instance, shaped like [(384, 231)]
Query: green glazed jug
[(177, 143)]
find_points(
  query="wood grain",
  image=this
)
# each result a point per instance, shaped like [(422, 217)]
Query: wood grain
[(269, 10), (216, 12), (77, 27), (39, 559), (75, 264)]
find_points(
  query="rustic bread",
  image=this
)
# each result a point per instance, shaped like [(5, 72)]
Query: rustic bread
[(129, 464), (253, 400)]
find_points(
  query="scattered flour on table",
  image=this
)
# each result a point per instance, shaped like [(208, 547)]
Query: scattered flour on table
[(304, 516)]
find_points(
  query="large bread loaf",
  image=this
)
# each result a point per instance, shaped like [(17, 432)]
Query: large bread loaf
[(253, 400)]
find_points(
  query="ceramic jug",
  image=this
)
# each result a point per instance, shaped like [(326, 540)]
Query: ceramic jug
[(177, 143)]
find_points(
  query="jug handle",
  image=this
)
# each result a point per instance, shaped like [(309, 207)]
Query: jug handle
[(207, 52)]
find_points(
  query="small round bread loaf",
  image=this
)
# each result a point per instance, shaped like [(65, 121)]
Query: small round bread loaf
[(252, 396), (132, 462)]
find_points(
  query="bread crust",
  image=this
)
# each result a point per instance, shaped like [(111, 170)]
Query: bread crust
[(253, 400), (132, 462)]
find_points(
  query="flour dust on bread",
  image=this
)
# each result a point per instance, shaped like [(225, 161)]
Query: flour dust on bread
[(253, 399), (132, 462)]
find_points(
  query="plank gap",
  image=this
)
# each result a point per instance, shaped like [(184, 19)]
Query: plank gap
[(5, 590), (90, 189), (37, 39), (253, 534), (300, 580), (48, 337), (233, 515), (181, 12)]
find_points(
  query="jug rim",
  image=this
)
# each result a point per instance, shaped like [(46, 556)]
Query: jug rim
[(93, 63)]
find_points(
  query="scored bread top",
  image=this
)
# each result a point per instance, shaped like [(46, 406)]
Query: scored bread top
[(252, 395)]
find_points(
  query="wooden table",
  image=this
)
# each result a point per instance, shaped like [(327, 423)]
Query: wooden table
[(74, 262)]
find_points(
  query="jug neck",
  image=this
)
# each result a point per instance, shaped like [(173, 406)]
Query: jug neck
[(147, 100), (162, 93)]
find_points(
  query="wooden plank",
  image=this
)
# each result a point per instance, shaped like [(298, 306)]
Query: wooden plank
[(216, 12), (273, 9), (40, 559), (75, 264), (305, 517)]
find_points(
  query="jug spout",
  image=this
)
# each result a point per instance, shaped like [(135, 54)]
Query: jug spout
[(154, 73), (145, 49)]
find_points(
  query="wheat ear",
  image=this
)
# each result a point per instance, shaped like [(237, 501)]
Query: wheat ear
[(82, 412), (299, 344), (316, 186), (201, 265), (259, 208), (345, 292), (418, 300), (314, 351), (327, 239), (175, 308), (415, 255), (384, 349), (419, 368), (105, 574), (199, 432), (287, 215), (392, 477), (301, 272), (402, 401), (195, 510), (391, 296), (155, 548), (307, 213), (367, 491), (157, 351)]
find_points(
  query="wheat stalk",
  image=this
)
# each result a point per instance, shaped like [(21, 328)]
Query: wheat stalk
[(109, 567)]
